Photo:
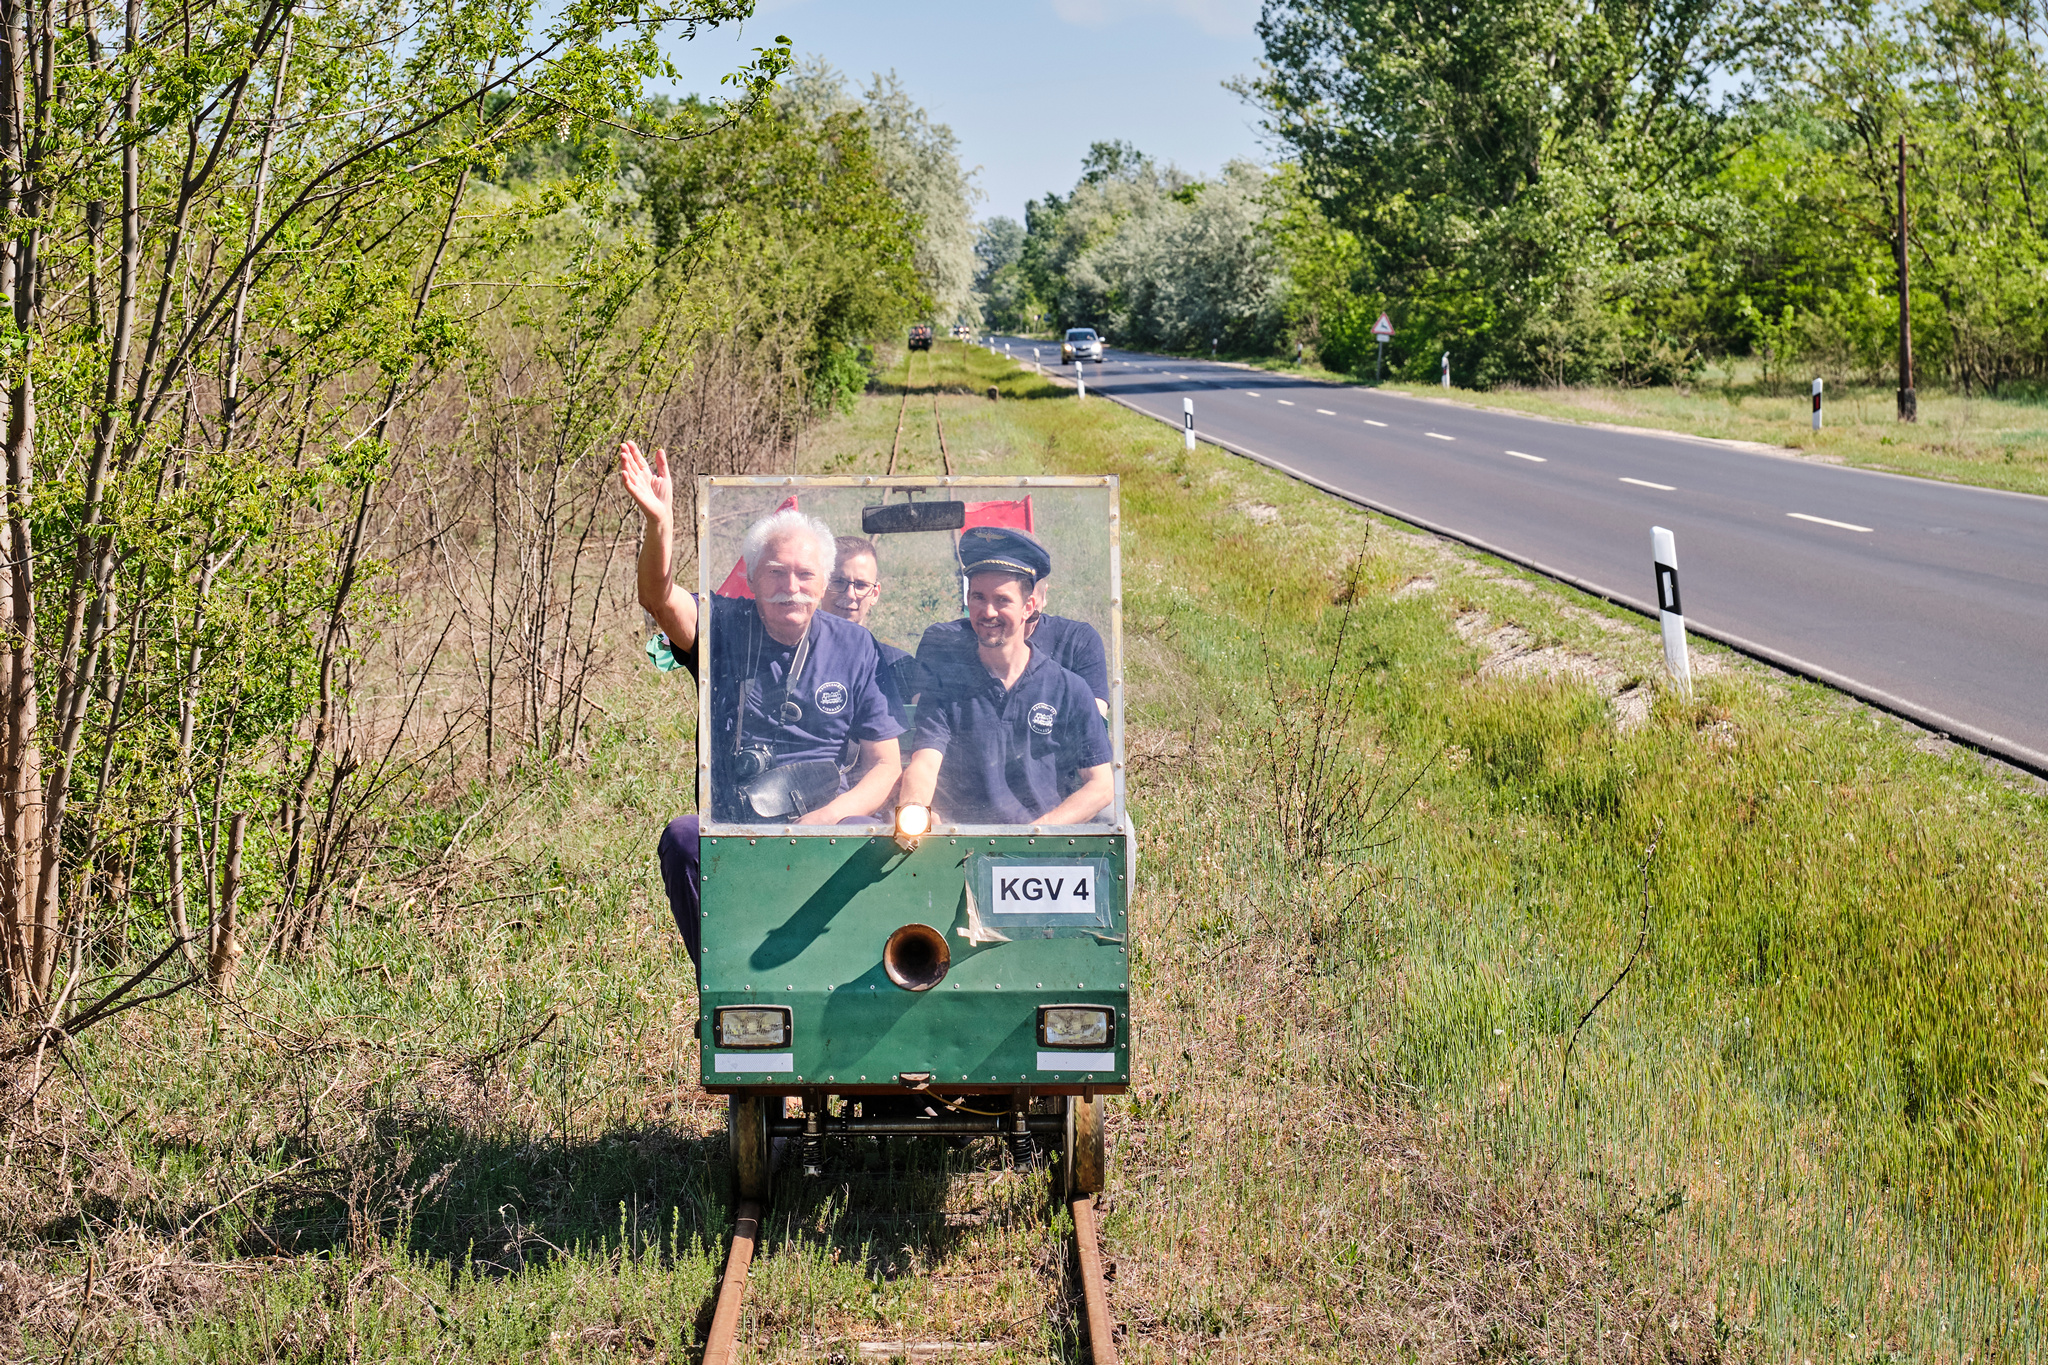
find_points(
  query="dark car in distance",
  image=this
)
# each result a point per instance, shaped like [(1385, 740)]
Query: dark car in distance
[(920, 338)]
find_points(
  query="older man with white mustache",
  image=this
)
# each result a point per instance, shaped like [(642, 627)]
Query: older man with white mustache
[(792, 688)]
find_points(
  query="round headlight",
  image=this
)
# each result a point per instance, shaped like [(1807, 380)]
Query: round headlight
[(913, 820)]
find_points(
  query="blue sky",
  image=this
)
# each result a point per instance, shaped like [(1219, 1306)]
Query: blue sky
[(1027, 86)]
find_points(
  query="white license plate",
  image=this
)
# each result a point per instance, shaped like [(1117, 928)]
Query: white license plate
[(1021, 889), (1077, 1061), (729, 1063)]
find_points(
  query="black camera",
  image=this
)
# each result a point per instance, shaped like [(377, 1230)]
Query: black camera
[(750, 762)]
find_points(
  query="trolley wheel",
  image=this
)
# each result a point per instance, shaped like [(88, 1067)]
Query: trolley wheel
[(746, 1129), (1084, 1161)]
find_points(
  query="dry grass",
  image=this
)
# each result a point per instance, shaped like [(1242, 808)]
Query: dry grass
[(469, 1128)]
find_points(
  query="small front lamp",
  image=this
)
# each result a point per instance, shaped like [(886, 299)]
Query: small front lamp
[(912, 821)]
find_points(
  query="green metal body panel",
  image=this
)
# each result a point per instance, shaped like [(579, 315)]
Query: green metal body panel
[(801, 922)]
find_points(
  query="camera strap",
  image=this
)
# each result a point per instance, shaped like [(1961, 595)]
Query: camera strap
[(789, 682)]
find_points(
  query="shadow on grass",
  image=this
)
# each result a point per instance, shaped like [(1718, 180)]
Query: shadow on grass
[(887, 1207), (1020, 385), (501, 1207)]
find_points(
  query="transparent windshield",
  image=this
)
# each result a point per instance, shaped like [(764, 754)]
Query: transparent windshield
[(869, 642)]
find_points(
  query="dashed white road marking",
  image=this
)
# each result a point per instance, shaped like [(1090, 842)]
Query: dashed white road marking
[(1826, 521), (1538, 459), (1369, 422), (1439, 436), (1326, 412), (1285, 402), (1645, 483)]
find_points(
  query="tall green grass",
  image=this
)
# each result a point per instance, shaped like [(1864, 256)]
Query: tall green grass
[(1826, 1084), (1803, 1127)]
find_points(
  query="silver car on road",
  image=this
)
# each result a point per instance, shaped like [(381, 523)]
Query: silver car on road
[(1081, 343)]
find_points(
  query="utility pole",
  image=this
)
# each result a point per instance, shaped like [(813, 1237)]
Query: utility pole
[(1909, 402)]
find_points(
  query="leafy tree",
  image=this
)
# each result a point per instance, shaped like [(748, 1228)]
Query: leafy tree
[(1967, 84), (230, 260), (920, 165), (795, 243), (1116, 160), (1527, 178), (1329, 303), (1190, 266), (999, 284)]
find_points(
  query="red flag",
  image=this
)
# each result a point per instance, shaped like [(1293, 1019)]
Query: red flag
[(1017, 514), (735, 584)]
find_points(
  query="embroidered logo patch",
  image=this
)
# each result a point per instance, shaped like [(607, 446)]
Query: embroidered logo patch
[(831, 698), (1042, 717)]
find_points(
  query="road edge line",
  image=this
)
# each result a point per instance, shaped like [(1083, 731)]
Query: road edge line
[(1943, 726)]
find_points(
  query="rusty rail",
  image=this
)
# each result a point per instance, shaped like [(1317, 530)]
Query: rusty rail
[(746, 1232), (725, 1319), (944, 454), (1101, 1338)]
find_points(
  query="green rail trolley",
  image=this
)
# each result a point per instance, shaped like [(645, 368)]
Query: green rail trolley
[(911, 972)]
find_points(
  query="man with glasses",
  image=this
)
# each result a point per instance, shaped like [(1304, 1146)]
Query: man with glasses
[(855, 587)]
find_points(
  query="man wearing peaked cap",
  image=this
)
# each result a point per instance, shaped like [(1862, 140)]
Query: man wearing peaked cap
[(947, 651), (987, 548), (1011, 736)]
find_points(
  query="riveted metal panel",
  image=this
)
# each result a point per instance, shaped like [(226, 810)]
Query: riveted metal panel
[(801, 922)]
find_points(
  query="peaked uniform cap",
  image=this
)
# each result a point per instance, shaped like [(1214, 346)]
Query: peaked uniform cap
[(1002, 549)]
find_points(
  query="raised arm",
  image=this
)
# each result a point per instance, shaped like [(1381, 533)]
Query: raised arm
[(653, 492)]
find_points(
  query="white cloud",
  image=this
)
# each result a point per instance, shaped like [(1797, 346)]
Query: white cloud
[(1221, 18)]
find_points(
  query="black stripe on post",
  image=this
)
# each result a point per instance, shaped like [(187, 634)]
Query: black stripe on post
[(1667, 590)]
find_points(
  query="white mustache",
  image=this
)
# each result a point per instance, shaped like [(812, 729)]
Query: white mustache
[(793, 599)]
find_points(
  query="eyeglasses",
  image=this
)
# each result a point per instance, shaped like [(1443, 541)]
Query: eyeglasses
[(857, 587)]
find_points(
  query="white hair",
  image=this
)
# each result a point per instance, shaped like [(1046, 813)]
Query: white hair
[(780, 526)]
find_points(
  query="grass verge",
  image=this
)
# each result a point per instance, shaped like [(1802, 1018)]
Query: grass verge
[(1805, 1124)]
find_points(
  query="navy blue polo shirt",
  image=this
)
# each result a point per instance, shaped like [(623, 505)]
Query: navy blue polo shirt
[(901, 665), (845, 693), (1007, 752), (949, 654)]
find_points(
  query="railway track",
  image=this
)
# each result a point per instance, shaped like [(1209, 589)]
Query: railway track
[(903, 409), (732, 1284), (1063, 1121)]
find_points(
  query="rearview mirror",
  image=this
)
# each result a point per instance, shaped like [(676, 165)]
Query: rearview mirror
[(893, 518)]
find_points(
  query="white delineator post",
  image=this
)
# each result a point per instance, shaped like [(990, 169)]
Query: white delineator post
[(1080, 379), (1816, 405), (1187, 422), (1670, 615), (1447, 369)]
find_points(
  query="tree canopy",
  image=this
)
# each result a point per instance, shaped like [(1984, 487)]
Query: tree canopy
[(1622, 192)]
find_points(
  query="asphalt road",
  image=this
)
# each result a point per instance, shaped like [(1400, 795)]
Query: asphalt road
[(1927, 599)]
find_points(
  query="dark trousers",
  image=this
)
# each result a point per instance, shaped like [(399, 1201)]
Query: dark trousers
[(680, 861)]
